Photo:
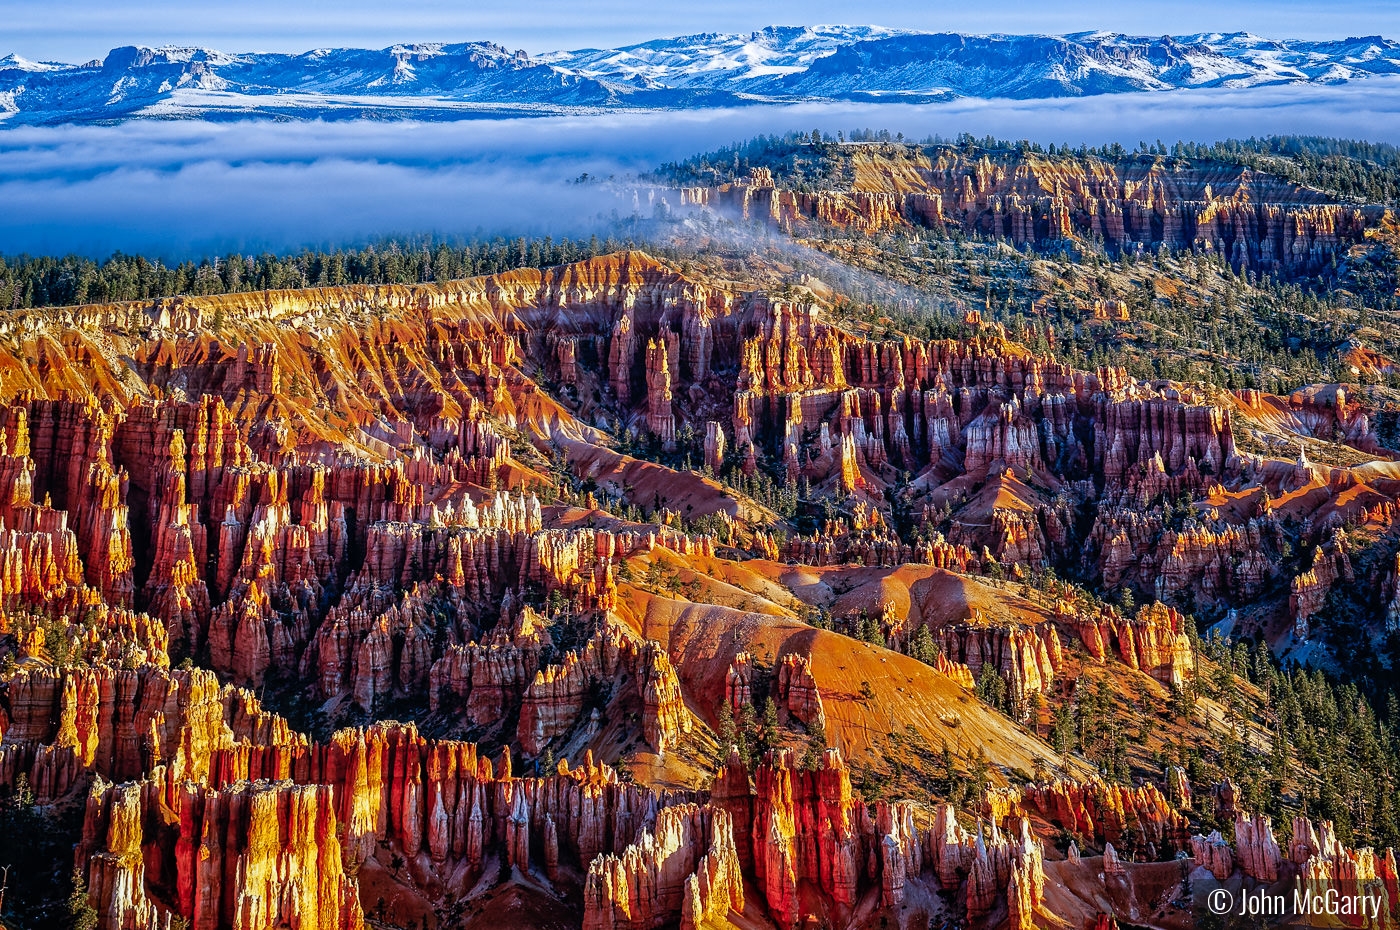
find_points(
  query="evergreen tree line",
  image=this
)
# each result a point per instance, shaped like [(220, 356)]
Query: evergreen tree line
[(43, 281), (1349, 750)]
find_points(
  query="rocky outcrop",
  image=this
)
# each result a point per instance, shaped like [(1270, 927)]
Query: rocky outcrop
[(434, 813), (1256, 850), (481, 682), (665, 718), (714, 446), (1154, 641), (260, 529), (810, 832), (877, 546), (556, 699), (1252, 220), (1326, 865), (1392, 597), (1022, 656), (375, 793), (256, 856), (1012, 861), (99, 634), (1178, 787), (804, 830), (957, 671), (1308, 591), (61, 726), (1213, 854), (738, 682), (1138, 819), (1198, 563), (683, 869), (660, 419), (1315, 859), (796, 692), (901, 851), (1226, 795)]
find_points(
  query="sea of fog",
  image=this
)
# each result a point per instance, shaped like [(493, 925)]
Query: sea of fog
[(186, 188)]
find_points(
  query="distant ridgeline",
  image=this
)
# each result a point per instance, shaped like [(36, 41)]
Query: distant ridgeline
[(1346, 168), (1284, 208), (780, 64)]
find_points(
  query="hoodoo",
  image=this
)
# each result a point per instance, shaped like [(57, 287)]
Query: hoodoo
[(931, 573)]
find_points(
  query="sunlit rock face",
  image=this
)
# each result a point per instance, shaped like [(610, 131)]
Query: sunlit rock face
[(1253, 220), (410, 519)]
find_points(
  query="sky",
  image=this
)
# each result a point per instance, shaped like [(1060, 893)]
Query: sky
[(81, 30), (184, 189)]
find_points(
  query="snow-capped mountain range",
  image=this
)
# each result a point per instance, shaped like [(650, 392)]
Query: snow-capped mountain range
[(777, 64)]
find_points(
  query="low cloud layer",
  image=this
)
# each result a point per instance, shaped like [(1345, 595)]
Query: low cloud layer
[(183, 189)]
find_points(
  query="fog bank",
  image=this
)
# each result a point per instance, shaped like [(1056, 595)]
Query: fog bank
[(181, 189)]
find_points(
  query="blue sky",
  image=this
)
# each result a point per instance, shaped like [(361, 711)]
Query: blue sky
[(78, 30)]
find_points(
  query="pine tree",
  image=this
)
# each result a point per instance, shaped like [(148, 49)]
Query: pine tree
[(768, 733), (1062, 730), (923, 647), (747, 727), (728, 735), (991, 688), (82, 915), (954, 785)]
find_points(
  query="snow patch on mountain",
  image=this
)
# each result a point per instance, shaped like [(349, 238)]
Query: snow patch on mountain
[(776, 64)]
